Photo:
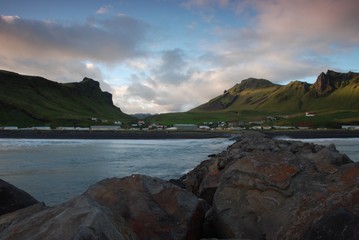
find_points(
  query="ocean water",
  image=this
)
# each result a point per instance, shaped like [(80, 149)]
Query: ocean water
[(349, 146), (54, 171)]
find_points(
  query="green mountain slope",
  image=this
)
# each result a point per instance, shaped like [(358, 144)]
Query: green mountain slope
[(333, 98), (30, 101)]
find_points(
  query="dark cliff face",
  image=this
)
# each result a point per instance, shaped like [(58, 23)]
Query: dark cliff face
[(93, 87), (31, 100), (327, 83)]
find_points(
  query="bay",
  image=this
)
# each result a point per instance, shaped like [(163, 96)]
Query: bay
[(54, 171)]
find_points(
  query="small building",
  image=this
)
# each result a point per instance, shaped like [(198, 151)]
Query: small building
[(66, 128), (185, 126), (105, 128), (283, 127), (171, 129), (350, 127), (204, 127), (82, 129), (41, 128), (309, 114), (10, 128)]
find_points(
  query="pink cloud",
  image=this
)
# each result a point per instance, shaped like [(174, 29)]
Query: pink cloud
[(310, 21)]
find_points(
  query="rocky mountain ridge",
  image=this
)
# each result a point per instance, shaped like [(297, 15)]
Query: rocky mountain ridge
[(32, 101), (263, 95)]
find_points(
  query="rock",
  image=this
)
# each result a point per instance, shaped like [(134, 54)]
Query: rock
[(259, 188), (152, 208), (135, 207), (338, 225), (12, 198), (274, 189)]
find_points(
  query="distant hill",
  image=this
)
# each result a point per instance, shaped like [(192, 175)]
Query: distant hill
[(35, 101), (333, 99), (332, 91)]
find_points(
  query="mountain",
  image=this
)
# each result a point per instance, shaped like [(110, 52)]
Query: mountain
[(333, 99), (35, 101)]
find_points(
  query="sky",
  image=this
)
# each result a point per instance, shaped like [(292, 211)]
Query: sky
[(158, 56)]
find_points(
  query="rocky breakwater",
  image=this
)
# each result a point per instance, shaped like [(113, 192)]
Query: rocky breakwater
[(259, 188), (134, 207)]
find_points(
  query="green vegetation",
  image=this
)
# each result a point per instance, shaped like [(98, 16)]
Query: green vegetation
[(333, 99), (34, 101)]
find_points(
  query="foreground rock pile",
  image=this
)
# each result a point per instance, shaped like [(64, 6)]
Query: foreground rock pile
[(259, 188), (262, 188)]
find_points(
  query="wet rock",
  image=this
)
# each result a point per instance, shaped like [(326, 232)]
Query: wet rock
[(12, 198), (259, 188), (276, 190), (338, 225), (135, 207), (152, 208)]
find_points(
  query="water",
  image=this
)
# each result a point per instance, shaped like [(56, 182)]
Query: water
[(349, 146), (54, 171)]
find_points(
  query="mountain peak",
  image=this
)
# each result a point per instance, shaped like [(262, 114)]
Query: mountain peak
[(252, 83), (89, 82), (326, 83)]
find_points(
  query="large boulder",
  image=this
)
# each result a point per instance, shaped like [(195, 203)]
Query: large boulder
[(261, 188), (135, 207), (12, 198)]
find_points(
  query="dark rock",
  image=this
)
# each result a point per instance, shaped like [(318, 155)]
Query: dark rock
[(338, 225), (135, 207), (263, 188), (259, 188), (12, 198)]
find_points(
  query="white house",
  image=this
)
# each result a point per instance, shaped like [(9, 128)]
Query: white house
[(105, 128), (10, 128), (185, 126), (350, 127), (309, 114)]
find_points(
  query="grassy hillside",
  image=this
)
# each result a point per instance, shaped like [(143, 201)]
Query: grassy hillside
[(333, 98), (33, 101)]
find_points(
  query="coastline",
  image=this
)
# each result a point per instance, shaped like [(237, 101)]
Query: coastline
[(56, 134), (307, 134)]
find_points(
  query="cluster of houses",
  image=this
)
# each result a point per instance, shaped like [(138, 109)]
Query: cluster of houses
[(206, 126), (175, 127), (46, 128)]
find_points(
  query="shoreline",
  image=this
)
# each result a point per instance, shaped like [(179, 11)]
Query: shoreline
[(308, 134), (57, 134)]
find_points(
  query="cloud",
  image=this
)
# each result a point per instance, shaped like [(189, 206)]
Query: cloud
[(280, 40), (286, 39), (68, 52), (173, 84), (108, 40), (173, 68), (205, 3), (104, 9)]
